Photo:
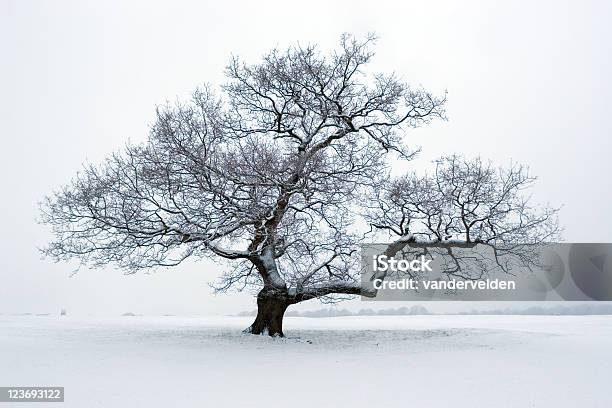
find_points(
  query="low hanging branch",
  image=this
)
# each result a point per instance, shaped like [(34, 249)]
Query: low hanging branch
[(462, 205)]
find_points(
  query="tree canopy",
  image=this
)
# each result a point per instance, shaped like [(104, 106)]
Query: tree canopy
[(270, 172)]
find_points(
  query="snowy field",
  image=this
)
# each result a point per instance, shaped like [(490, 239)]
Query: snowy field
[(383, 361)]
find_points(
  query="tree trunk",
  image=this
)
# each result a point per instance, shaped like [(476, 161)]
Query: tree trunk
[(271, 307)]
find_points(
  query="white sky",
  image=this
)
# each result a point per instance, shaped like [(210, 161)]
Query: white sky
[(527, 81)]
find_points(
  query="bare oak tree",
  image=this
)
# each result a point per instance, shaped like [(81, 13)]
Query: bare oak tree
[(265, 175)]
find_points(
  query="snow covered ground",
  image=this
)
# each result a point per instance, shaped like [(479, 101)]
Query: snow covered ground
[(382, 361)]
